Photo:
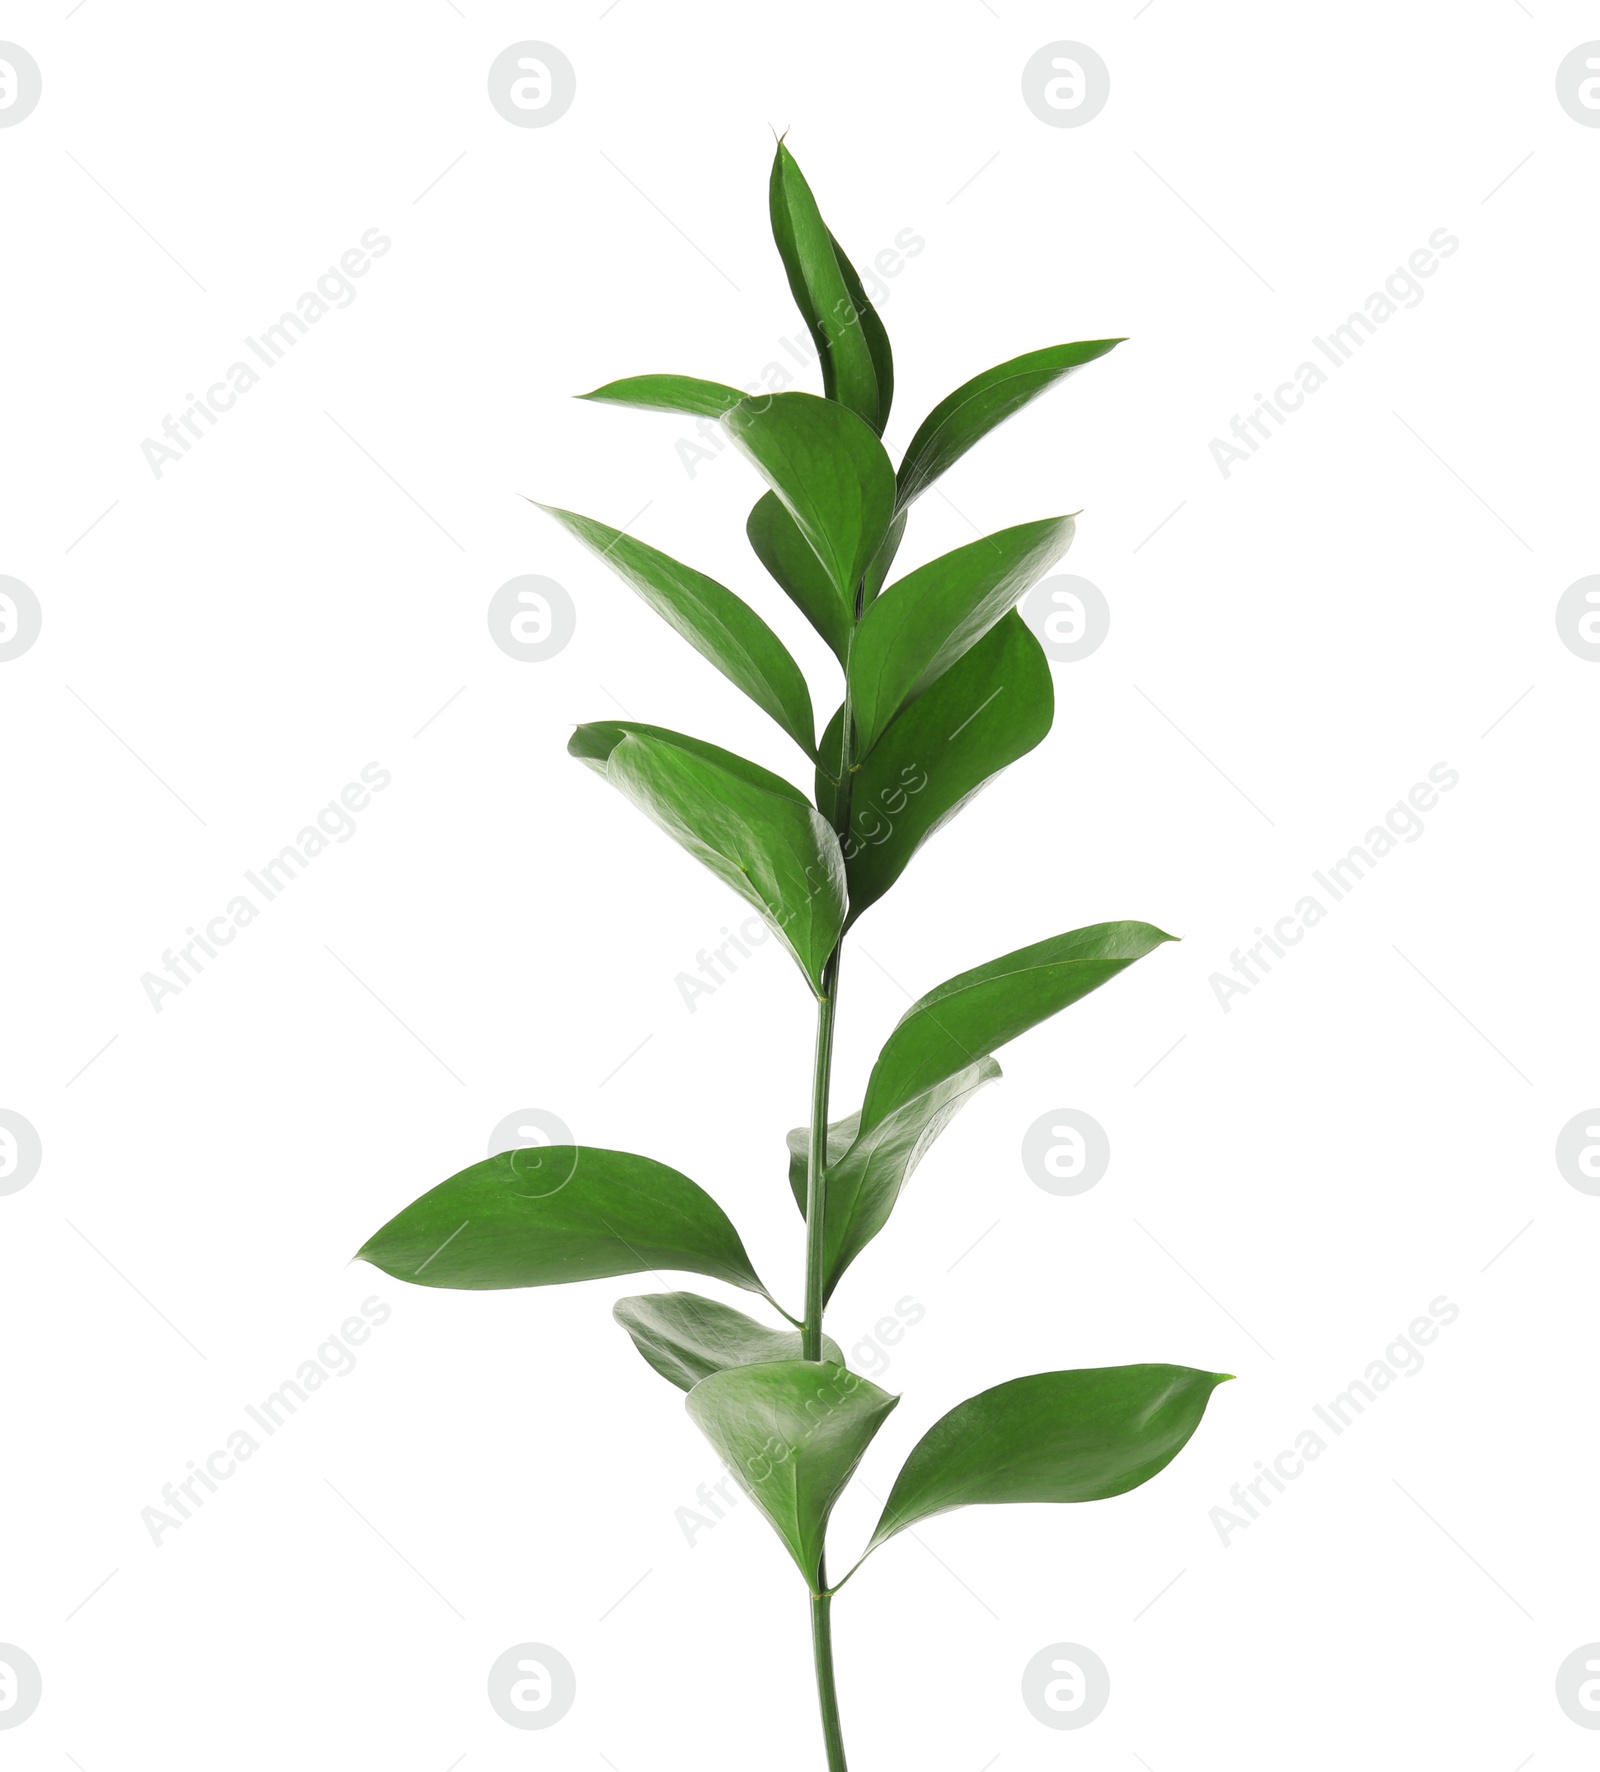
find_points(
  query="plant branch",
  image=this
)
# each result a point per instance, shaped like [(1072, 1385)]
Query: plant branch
[(816, 1228)]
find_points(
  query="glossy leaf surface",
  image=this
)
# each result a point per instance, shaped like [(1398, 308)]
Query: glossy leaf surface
[(670, 393), (831, 472), (924, 622), (967, 1017), (1057, 1436), (788, 556), (755, 832), (881, 562), (792, 1433), (686, 1337), (816, 270), (993, 705), (876, 335), (555, 1213), (720, 626), (977, 406), (865, 1175)]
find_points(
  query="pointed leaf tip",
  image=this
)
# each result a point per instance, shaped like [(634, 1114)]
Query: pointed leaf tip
[(792, 1433), (1056, 1436)]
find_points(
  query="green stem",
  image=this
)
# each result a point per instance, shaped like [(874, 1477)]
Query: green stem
[(816, 1239), (827, 1697), (816, 1164), (821, 1072)]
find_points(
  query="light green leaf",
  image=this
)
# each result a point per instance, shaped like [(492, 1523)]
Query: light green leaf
[(925, 621), (993, 705), (829, 470), (670, 393), (754, 831), (792, 1433), (977, 406), (787, 555), (594, 742), (1057, 1436), (687, 1338), (865, 1175), (968, 1016), (818, 280), (554, 1213), (719, 625)]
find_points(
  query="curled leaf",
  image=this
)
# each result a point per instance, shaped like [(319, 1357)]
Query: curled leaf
[(831, 472), (687, 1338), (792, 1433), (756, 832)]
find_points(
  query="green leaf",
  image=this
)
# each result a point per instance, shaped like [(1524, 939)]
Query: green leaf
[(878, 570), (792, 1433), (554, 1213), (821, 279), (877, 337), (719, 625), (829, 470), (755, 832), (594, 742), (865, 1175), (670, 393), (993, 705), (1057, 1436), (687, 1338), (977, 406), (925, 621), (968, 1016), (787, 555)]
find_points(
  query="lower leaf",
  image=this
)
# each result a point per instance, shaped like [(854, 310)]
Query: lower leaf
[(687, 1338), (792, 1433), (1057, 1436)]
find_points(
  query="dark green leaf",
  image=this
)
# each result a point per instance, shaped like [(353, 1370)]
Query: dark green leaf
[(993, 705), (865, 1175), (878, 570), (687, 1338), (792, 1433), (553, 1213), (753, 830), (1058, 1436), (670, 393), (968, 1016), (977, 406), (816, 270), (787, 555), (831, 472), (877, 338), (719, 625), (923, 623)]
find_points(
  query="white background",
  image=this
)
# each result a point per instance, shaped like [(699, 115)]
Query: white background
[(1365, 1131)]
